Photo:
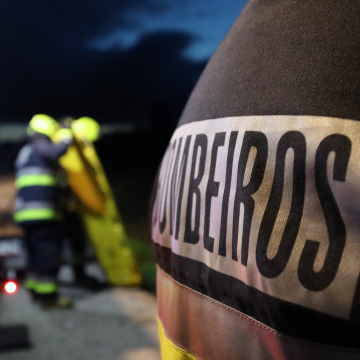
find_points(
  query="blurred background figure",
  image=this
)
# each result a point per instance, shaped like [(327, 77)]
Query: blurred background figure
[(75, 240), (37, 207)]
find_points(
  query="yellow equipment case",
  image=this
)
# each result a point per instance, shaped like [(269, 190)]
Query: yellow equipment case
[(101, 218)]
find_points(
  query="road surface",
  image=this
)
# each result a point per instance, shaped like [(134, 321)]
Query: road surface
[(113, 324)]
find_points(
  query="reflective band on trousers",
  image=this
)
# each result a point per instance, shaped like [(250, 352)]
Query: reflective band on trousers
[(169, 350), (34, 170), (41, 287), (35, 180), (36, 214)]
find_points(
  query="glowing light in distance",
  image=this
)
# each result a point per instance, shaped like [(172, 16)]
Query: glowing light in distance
[(10, 287)]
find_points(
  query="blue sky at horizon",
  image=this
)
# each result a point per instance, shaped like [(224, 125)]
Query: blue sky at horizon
[(85, 57)]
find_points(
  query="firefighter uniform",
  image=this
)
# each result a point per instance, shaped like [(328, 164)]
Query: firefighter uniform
[(37, 204), (256, 216)]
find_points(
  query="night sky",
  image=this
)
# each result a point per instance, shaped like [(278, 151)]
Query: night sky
[(116, 61)]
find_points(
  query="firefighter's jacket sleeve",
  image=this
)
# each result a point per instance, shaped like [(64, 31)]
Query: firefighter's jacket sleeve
[(255, 222), (52, 151)]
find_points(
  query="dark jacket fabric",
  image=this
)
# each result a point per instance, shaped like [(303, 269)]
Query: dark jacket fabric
[(255, 221)]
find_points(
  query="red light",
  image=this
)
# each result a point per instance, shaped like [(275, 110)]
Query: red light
[(10, 287)]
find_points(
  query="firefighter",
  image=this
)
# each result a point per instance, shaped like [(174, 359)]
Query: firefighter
[(37, 210), (87, 129), (256, 214)]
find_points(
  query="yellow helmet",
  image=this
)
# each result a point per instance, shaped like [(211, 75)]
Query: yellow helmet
[(42, 124), (86, 127)]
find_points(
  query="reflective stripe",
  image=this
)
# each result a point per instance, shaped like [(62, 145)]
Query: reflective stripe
[(34, 170), (35, 180), (45, 288), (41, 287), (169, 351), (36, 214), (21, 205), (213, 331)]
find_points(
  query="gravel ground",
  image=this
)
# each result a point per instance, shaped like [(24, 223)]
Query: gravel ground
[(114, 324)]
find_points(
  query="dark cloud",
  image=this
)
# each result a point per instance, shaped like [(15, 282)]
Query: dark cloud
[(46, 66), (150, 75)]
